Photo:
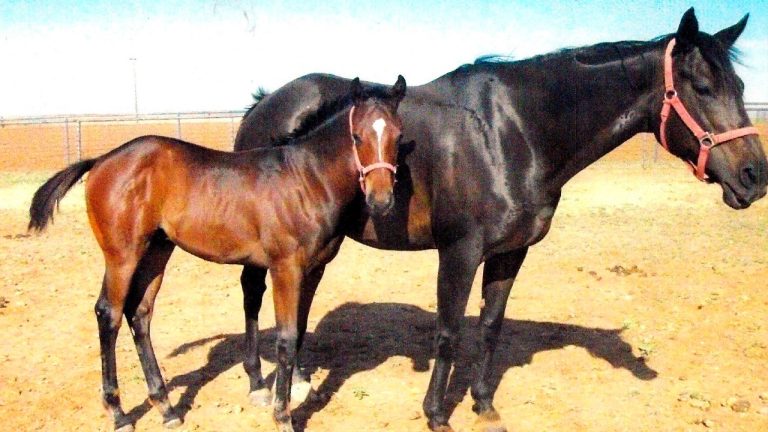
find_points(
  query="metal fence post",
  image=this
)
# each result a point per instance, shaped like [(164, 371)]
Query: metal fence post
[(79, 141), (178, 125), (66, 141)]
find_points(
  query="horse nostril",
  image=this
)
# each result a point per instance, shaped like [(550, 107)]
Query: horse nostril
[(749, 176)]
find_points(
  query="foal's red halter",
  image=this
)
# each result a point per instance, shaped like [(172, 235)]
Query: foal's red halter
[(364, 170), (707, 140)]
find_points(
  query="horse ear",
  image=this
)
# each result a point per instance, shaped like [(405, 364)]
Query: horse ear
[(688, 31), (729, 35), (356, 92), (397, 92)]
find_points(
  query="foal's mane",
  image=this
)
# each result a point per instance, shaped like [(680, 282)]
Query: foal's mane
[(325, 112)]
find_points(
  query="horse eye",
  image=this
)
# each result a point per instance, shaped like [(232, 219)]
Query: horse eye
[(702, 89), (356, 138)]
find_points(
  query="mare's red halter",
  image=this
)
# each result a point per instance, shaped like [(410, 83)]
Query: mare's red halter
[(364, 170), (707, 140)]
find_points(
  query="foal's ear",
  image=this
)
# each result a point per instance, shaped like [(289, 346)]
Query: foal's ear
[(729, 35), (687, 32), (397, 92), (356, 92)]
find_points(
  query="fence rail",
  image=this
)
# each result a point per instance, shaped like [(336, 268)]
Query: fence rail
[(52, 142)]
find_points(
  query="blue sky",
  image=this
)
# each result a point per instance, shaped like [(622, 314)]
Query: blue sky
[(63, 57)]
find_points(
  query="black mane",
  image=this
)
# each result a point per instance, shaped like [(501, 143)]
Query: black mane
[(326, 111), (712, 50), (260, 94)]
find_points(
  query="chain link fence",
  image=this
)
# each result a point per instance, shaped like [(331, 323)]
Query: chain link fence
[(51, 143)]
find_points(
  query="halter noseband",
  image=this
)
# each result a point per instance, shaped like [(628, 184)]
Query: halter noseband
[(707, 140), (364, 170)]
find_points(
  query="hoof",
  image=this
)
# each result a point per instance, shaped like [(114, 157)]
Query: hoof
[(172, 423), (489, 421), (125, 428), (261, 397), (285, 427), (443, 428), (300, 392)]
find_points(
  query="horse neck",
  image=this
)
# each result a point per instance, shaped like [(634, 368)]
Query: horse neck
[(327, 153), (595, 108)]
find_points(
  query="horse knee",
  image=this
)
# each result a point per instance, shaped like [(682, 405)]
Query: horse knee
[(446, 341), (106, 317)]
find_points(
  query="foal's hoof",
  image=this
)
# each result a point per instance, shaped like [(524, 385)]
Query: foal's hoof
[(172, 423), (442, 428), (300, 391), (125, 428), (489, 421), (261, 397), (285, 427)]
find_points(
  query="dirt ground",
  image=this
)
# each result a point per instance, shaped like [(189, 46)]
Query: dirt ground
[(644, 309)]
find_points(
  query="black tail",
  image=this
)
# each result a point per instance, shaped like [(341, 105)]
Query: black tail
[(52, 191)]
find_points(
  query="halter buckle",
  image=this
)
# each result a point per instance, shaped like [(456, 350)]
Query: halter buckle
[(670, 94), (707, 140)]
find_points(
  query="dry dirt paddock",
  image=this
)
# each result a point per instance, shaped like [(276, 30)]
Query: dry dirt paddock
[(643, 310)]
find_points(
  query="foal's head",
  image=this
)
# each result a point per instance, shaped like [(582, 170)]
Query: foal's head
[(376, 131), (724, 147)]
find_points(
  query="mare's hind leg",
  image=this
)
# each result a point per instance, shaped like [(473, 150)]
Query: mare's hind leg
[(498, 276), (138, 311), (109, 316), (253, 285)]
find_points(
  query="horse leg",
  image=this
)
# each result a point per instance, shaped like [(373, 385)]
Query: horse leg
[(498, 276), (138, 312), (301, 387), (458, 264), (253, 285), (109, 315), (286, 285)]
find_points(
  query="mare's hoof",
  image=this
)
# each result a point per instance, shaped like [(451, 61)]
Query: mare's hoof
[(125, 428), (300, 391), (261, 397), (173, 423), (489, 421)]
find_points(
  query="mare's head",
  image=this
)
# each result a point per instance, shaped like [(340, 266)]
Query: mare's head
[(724, 149), (376, 131)]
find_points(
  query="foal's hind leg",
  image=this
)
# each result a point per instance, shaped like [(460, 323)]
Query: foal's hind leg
[(498, 275), (138, 311), (109, 316), (253, 285)]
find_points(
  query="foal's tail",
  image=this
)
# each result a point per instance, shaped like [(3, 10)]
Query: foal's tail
[(52, 191)]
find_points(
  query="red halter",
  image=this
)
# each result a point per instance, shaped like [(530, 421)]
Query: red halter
[(364, 170), (707, 140)]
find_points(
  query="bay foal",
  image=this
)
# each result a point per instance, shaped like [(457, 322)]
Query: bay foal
[(278, 209)]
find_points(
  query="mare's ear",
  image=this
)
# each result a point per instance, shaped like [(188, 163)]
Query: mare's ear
[(729, 35), (397, 92), (688, 31), (356, 92)]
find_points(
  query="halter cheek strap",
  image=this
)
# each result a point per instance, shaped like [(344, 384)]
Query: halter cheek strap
[(707, 140), (364, 170)]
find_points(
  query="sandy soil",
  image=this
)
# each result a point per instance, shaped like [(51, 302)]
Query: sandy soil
[(643, 310)]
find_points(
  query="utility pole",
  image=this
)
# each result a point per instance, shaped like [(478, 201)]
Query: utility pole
[(135, 89)]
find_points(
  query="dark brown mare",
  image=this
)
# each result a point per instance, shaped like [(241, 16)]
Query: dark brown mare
[(494, 143), (279, 209)]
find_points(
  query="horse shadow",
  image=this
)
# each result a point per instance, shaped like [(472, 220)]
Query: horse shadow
[(359, 337)]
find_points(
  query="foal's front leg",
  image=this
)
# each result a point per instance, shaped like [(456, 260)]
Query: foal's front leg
[(286, 284)]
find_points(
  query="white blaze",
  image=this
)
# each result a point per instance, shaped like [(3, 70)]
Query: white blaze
[(379, 126)]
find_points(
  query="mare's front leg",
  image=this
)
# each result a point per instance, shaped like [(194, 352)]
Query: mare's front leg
[(254, 286), (458, 264), (499, 274), (286, 285)]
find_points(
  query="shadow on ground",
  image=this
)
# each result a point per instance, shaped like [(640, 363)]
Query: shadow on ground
[(359, 337)]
